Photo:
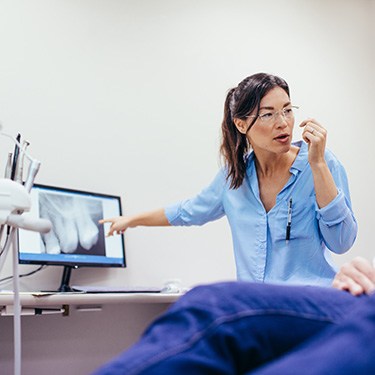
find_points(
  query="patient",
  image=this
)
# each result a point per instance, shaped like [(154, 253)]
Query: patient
[(247, 328)]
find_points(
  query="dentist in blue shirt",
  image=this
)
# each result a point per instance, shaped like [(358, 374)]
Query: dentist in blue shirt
[(287, 203)]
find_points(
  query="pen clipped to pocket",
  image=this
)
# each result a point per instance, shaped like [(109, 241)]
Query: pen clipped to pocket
[(289, 220)]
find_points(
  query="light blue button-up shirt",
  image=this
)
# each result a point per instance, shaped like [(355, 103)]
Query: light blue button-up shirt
[(262, 253)]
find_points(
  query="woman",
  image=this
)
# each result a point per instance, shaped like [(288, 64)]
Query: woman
[(287, 203)]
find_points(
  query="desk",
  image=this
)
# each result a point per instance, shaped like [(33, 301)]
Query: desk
[(41, 300), (97, 328)]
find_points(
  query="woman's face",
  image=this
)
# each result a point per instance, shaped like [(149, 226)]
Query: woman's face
[(273, 128)]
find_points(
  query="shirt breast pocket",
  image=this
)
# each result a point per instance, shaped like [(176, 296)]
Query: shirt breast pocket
[(303, 224)]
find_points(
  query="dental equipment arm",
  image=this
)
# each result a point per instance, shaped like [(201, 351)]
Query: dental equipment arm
[(34, 164), (14, 201)]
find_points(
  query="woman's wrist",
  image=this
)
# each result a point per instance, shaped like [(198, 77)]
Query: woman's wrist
[(318, 166)]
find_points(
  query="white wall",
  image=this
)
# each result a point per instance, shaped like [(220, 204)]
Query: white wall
[(126, 97)]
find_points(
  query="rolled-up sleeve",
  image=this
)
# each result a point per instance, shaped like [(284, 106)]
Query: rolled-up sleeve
[(204, 207), (336, 220)]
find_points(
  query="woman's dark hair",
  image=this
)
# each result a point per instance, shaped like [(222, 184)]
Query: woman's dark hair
[(240, 102)]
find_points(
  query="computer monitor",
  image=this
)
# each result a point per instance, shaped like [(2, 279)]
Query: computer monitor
[(76, 239)]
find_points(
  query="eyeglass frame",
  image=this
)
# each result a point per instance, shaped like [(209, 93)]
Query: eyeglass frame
[(274, 114)]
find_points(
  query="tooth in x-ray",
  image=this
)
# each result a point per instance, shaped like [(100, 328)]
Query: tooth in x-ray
[(72, 223)]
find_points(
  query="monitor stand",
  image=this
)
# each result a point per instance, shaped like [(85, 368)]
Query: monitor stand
[(65, 280)]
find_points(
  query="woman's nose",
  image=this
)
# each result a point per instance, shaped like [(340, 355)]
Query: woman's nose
[(281, 121)]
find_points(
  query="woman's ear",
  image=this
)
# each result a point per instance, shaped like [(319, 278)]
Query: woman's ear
[(240, 125)]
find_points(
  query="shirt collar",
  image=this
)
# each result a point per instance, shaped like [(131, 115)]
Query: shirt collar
[(299, 163), (301, 160)]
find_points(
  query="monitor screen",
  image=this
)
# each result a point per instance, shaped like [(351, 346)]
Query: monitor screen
[(76, 238)]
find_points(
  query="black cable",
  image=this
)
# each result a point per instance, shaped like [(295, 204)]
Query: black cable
[(5, 243), (23, 275)]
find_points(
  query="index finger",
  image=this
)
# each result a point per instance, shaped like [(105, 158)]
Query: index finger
[(102, 221), (305, 122), (312, 122)]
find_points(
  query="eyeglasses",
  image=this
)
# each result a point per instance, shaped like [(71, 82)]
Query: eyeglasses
[(271, 116)]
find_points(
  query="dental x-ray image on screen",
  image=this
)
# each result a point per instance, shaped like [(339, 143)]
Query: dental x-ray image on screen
[(74, 224), (76, 238)]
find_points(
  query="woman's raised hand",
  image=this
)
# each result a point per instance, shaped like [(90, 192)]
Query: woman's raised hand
[(316, 136)]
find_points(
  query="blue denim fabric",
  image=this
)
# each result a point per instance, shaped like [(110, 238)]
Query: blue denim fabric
[(344, 349), (235, 327)]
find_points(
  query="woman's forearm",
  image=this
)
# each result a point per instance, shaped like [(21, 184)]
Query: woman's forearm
[(324, 184), (154, 218)]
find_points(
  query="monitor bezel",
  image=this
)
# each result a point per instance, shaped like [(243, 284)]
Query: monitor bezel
[(74, 263)]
